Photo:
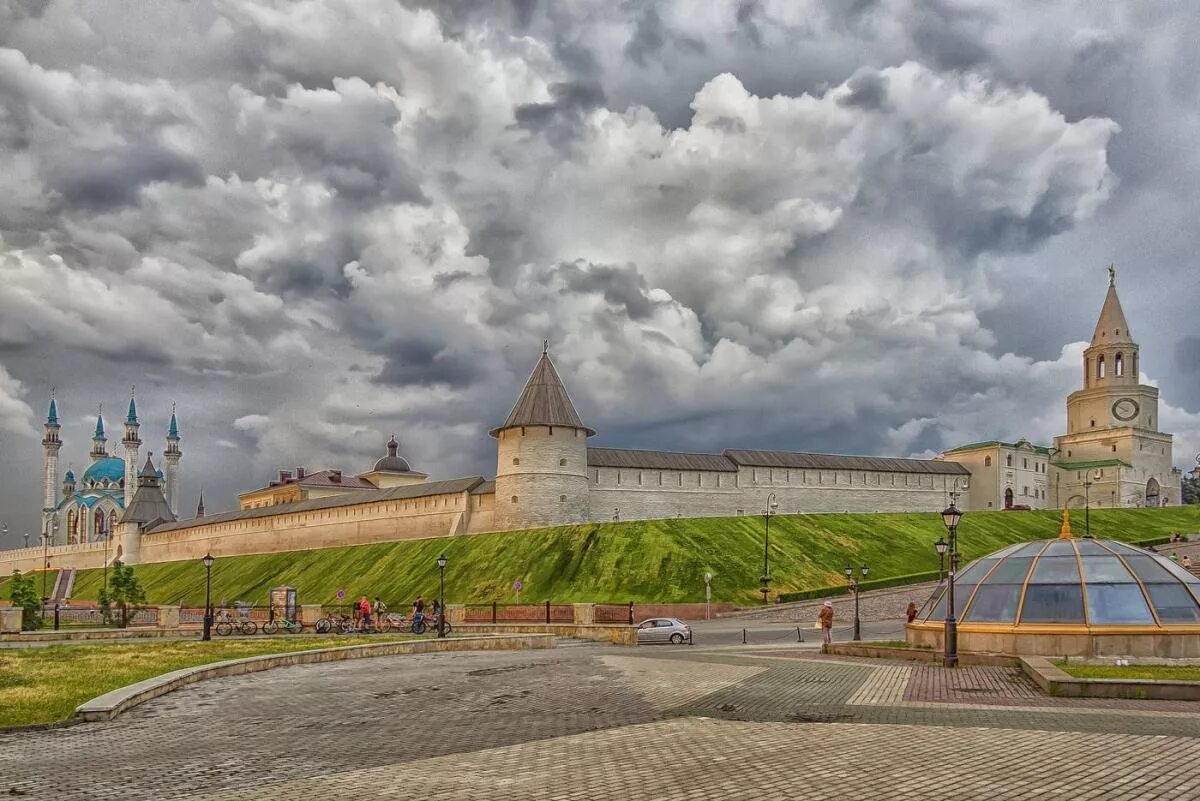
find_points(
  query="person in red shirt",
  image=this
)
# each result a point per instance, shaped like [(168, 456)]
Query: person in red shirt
[(364, 612)]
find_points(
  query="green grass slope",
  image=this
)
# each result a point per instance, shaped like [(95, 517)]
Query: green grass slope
[(654, 560)]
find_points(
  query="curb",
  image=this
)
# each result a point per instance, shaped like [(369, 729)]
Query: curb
[(1057, 682), (111, 704), (865, 649)]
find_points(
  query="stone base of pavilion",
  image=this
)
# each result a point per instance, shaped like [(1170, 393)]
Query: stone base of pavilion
[(1180, 642)]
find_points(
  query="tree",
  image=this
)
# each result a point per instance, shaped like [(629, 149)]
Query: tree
[(23, 594), (1191, 490), (125, 591)]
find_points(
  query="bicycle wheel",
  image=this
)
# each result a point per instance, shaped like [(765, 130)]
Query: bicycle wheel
[(323, 625), (249, 627), (224, 629), (270, 627), (418, 627), (294, 627)]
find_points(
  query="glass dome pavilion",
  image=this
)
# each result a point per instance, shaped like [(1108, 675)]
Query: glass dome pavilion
[(1072, 597)]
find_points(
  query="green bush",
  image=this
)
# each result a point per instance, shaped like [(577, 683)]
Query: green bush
[(22, 593)]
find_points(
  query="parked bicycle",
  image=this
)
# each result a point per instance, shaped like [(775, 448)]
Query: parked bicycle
[(243, 625), (334, 624), (290, 626)]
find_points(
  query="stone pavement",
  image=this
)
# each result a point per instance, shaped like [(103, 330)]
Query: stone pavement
[(604, 723)]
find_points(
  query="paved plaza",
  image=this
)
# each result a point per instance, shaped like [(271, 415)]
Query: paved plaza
[(597, 723)]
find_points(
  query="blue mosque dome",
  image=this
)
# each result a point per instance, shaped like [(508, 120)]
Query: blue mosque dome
[(110, 467)]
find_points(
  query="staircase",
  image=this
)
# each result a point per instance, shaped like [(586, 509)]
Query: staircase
[(63, 584)]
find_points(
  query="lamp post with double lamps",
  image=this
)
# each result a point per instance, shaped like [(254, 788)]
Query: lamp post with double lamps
[(849, 571), (208, 615), (950, 516), (765, 580), (441, 563), (1088, 480)]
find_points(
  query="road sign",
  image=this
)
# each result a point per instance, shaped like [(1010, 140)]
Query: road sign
[(341, 594), (517, 586)]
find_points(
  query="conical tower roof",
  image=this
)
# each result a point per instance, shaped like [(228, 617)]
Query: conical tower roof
[(544, 401), (173, 428), (148, 505), (1111, 327), (131, 418), (52, 414)]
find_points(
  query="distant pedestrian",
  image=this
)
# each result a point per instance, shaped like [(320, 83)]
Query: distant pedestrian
[(378, 609), (911, 611), (1174, 557), (364, 611), (826, 621), (1187, 561)]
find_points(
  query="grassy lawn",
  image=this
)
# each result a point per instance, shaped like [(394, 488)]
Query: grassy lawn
[(651, 560), (1160, 672), (42, 685)]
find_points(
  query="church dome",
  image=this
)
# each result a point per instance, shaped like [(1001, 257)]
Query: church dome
[(1083, 584), (111, 468), (393, 463)]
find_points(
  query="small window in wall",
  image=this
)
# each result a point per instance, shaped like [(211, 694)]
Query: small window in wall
[(562, 462), (516, 461), (987, 461), (1119, 364), (1100, 367), (1025, 464), (552, 431), (1008, 460), (989, 504), (639, 478), (1068, 453), (1114, 447), (1093, 423), (618, 476), (562, 498), (514, 499)]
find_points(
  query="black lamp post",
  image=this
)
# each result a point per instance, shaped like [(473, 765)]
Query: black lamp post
[(951, 516), (849, 571), (107, 534), (1087, 503), (441, 563), (208, 615), (45, 568), (765, 580), (940, 546)]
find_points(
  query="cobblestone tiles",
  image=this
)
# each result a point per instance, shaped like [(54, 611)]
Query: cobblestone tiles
[(678, 682), (884, 687), (696, 759)]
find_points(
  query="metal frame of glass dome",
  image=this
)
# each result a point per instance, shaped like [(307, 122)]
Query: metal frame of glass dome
[(1071, 596)]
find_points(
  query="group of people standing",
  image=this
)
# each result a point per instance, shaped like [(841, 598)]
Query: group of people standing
[(367, 613)]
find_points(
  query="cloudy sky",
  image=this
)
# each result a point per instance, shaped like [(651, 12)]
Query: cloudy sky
[(858, 226)]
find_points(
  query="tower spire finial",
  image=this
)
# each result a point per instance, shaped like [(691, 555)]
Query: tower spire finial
[(545, 346), (1112, 275)]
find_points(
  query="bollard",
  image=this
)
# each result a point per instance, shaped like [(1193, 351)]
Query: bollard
[(631, 613), (799, 636), (56, 608), (547, 613), (493, 612), (743, 636)]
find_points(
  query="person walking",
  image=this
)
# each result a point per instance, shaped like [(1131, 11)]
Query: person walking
[(911, 612), (364, 614), (378, 609), (826, 621), (1187, 562)]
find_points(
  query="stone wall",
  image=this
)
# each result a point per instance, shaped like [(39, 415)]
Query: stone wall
[(84, 555), (541, 477)]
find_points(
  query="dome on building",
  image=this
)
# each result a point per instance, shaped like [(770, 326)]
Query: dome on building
[(393, 463), (1077, 582), (111, 468)]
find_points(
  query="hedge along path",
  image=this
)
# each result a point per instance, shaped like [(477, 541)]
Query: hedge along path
[(660, 561)]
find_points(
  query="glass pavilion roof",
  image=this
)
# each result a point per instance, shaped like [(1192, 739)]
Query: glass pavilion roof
[(1072, 581)]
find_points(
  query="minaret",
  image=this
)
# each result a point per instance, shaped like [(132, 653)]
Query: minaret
[(99, 441), (541, 456), (50, 445), (69, 483), (132, 444), (172, 456)]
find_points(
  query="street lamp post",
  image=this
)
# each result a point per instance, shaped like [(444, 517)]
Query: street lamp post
[(940, 546), (849, 571), (768, 510), (441, 563), (107, 534), (1087, 503), (950, 516), (45, 568), (208, 615), (707, 595)]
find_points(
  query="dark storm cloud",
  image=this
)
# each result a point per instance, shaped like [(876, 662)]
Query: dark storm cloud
[(622, 287), (424, 362), (116, 178), (868, 90), (562, 119), (951, 36)]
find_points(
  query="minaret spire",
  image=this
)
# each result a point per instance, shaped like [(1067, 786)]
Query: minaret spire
[(1111, 328), (171, 455), (99, 440), (132, 445)]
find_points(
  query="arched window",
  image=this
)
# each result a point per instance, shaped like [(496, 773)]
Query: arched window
[(99, 522), (72, 526), (514, 499), (1008, 460), (1119, 365), (1100, 367), (987, 461)]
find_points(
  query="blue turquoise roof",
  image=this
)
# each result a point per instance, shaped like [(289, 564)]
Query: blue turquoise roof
[(99, 427), (90, 498), (111, 467), (70, 476), (52, 416), (132, 416), (173, 429)]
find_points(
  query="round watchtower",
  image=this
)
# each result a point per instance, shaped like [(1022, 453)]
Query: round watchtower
[(541, 462)]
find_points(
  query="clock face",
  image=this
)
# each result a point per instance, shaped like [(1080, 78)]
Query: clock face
[(1125, 409)]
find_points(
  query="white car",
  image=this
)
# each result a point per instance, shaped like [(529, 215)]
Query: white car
[(663, 630)]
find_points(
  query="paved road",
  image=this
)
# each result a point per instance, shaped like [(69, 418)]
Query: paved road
[(729, 631), (603, 723)]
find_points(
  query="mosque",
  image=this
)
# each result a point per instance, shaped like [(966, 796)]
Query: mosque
[(88, 510), (548, 474)]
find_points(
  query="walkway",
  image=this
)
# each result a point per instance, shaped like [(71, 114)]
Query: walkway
[(604, 723)]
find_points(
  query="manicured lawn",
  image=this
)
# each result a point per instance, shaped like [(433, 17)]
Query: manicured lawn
[(42, 685), (652, 560), (1160, 672)]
